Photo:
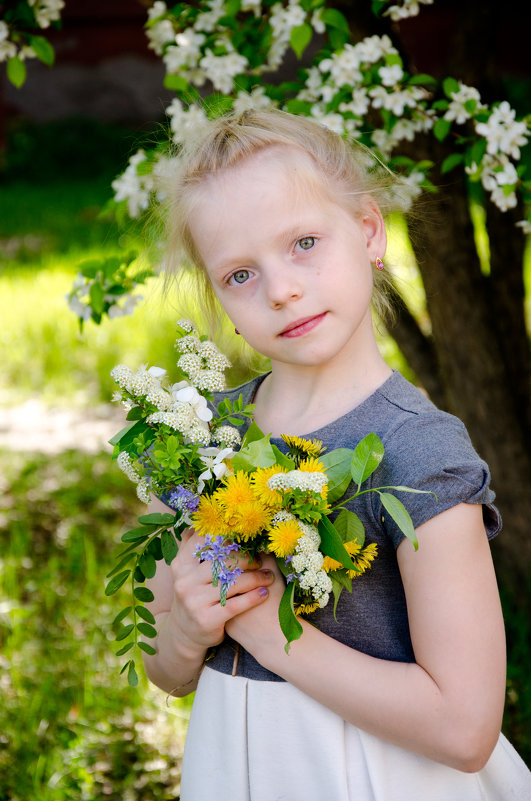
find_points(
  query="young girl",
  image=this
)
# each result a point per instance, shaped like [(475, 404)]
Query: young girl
[(401, 697)]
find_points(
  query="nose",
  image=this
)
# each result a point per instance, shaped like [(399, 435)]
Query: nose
[(282, 285)]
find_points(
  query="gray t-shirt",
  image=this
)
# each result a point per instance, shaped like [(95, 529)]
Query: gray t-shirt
[(424, 449)]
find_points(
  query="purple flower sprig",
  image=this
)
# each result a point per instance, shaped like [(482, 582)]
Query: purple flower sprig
[(217, 551), (182, 499)]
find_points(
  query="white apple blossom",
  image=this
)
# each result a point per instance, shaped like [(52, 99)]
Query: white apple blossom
[(46, 11), (132, 187), (333, 121), (185, 122), (502, 132), (373, 48), (391, 75), (359, 104), (257, 99), (221, 70), (409, 8), (317, 21), (456, 110), (252, 5), (189, 394), (207, 20), (525, 225)]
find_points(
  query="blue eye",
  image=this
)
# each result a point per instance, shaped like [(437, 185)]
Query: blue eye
[(306, 243), (241, 276)]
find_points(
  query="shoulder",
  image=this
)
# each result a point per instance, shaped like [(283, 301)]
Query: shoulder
[(430, 450)]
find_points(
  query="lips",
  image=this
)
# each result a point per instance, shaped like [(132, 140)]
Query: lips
[(303, 326)]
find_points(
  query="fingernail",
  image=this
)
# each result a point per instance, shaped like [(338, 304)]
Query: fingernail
[(263, 592), (267, 573)]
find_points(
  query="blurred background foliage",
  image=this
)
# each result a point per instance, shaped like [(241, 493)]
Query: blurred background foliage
[(70, 727)]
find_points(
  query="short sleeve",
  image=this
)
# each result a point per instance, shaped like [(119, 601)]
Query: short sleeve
[(433, 452)]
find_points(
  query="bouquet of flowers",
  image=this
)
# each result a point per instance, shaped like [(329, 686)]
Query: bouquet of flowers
[(243, 496)]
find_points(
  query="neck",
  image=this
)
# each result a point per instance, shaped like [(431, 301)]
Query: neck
[(297, 399)]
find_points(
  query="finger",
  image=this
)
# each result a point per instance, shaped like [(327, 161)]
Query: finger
[(251, 580), (243, 602)]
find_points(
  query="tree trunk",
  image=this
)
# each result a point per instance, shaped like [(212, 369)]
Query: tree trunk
[(470, 353)]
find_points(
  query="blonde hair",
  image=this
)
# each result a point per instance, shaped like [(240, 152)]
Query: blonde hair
[(346, 170)]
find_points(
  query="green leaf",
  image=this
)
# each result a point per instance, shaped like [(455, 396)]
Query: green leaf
[(367, 456), (350, 527), (421, 78), (337, 466), (115, 583), (43, 49), (252, 434), (441, 129), (147, 565), (127, 558), (450, 86), (97, 297), (169, 546), (340, 581), (282, 459), (120, 616), (258, 453), (147, 630), (140, 533), (126, 435), (157, 519), (451, 161), (176, 83), (16, 71), (135, 413), (300, 38), (400, 515), (145, 613), (132, 676), (144, 646), (333, 18), (124, 632), (127, 647), (332, 544), (143, 594), (290, 625)]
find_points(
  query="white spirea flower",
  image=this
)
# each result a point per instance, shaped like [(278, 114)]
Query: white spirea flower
[(124, 463), (188, 344), (214, 359), (209, 380), (143, 490), (190, 363), (298, 479), (186, 393), (186, 325), (227, 436), (198, 434)]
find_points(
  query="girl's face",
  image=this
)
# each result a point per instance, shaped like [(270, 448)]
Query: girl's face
[(291, 268)]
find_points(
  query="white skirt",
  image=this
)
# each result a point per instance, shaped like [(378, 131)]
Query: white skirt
[(267, 741)]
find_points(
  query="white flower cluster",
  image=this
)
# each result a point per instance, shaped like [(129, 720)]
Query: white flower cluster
[(409, 8), (227, 437), (134, 188), (457, 110), (142, 482), (78, 300), (504, 136), (182, 407), (307, 561), (203, 363), (298, 479), (46, 11)]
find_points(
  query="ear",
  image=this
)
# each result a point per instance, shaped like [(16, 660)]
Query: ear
[(373, 227)]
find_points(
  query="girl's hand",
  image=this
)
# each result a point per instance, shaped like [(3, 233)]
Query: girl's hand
[(257, 629), (196, 609)]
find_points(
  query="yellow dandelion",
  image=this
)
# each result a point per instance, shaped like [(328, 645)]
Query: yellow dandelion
[(236, 490), (250, 520), (259, 479), (306, 609), (362, 558), (210, 517), (311, 465), (303, 447), (284, 537)]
